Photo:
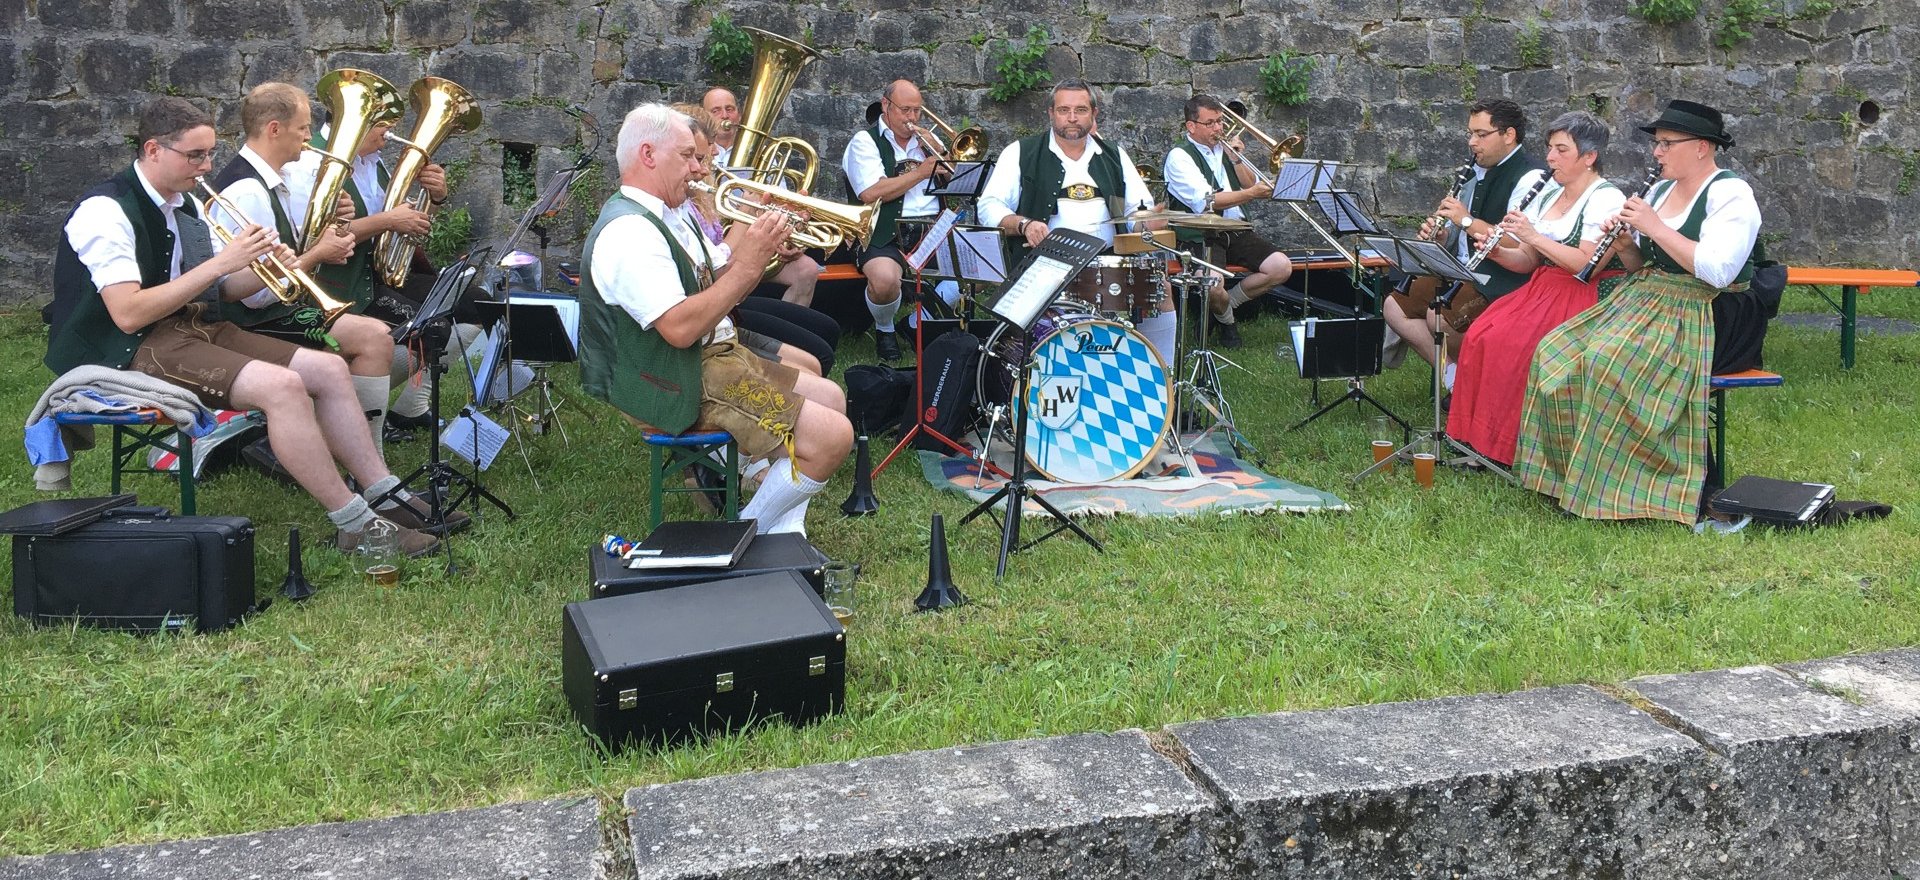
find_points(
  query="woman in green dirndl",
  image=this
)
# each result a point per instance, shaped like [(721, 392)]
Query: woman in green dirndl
[(1615, 421)]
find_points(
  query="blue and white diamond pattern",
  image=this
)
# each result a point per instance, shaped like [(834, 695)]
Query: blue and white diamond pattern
[(1121, 408)]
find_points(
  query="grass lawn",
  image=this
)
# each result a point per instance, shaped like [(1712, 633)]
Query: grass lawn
[(444, 693)]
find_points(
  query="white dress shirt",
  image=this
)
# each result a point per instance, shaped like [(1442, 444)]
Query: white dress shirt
[(102, 237), (1726, 235), (302, 174), (255, 200), (863, 168), (1186, 183), (1600, 201), (1002, 193), (1463, 244), (633, 266)]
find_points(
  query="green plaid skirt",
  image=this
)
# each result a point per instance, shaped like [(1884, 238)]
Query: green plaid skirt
[(1615, 423)]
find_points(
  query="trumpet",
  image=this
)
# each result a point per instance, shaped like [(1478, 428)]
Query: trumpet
[(290, 284), (817, 223)]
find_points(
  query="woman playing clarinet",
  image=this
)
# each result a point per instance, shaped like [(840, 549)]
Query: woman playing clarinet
[(1615, 421)]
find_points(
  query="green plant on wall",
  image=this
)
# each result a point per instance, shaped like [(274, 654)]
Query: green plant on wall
[(729, 48), (1285, 77), (1530, 46), (452, 232), (1732, 30), (1017, 69), (1666, 11)]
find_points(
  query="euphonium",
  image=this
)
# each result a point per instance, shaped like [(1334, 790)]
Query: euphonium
[(776, 67), (290, 284), (441, 109), (818, 223), (356, 102)]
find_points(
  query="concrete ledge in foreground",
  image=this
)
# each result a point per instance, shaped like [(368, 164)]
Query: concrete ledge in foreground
[(1088, 806), (1557, 782), (546, 840), (1888, 681)]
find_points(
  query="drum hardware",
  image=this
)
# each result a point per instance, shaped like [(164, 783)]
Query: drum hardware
[(1201, 390)]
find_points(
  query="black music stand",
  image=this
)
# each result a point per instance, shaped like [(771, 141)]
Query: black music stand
[(1416, 257), (537, 335), (1341, 349), (1030, 288)]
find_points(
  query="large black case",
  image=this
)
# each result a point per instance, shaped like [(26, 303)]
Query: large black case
[(767, 553), (667, 665), (144, 573)]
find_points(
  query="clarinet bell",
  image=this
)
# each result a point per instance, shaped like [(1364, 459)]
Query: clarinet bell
[(940, 592), (295, 587), (861, 501)]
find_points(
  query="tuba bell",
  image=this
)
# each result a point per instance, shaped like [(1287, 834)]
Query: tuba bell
[(357, 101), (441, 109), (777, 61)]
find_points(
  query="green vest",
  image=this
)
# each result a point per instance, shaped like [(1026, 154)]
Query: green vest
[(238, 312), (636, 370), (82, 331), (1042, 175), (1206, 171), (1659, 259), (1490, 198), (888, 218)]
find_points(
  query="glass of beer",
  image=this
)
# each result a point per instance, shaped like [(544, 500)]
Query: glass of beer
[(840, 578), (1383, 435), (379, 553), (1424, 455)]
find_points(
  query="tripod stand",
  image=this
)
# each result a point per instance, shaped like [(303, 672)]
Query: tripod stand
[(1201, 390), (1346, 349), (1439, 439), (1016, 490)]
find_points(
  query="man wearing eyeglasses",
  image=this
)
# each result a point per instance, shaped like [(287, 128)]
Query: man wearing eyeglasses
[(889, 164), (1204, 174), (136, 279), (1502, 173)]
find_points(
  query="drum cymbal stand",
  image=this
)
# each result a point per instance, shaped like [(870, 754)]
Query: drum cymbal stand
[(1200, 391), (1439, 440)]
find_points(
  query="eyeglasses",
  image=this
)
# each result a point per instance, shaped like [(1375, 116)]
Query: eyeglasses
[(1668, 143), (193, 156), (1212, 123), (1483, 132)]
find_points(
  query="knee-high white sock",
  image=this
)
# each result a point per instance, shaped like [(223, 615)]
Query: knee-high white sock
[(372, 392), (414, 397), (1160, 331), (781, 503), (882, 312), (1446, 379)]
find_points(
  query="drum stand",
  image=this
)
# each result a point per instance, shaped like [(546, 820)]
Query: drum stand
[(1016, 490), (1201, 389), (1440, 441)]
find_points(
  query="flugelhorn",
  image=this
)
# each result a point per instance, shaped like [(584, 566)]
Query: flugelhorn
[(357, 101), (441, 109), (817, 223), (1607, 238), (290, 285)]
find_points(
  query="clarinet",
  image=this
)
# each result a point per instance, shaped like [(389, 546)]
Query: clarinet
[(1607, 238), (1460, 177), (1493, 238)]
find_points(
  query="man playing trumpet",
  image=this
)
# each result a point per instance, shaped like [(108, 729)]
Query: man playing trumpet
[(1205, 174), (890, 164), (655, 340)]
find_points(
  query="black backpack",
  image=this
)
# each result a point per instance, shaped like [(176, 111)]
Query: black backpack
[(947, 367), (877, 397)]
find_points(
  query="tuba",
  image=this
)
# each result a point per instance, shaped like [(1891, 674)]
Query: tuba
[(441, 109), (357, 101), (777, 61)]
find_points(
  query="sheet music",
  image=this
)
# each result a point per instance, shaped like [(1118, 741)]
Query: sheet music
[(1302, 331), (936, 235), (1032, 291), (473, 437), (505, 383), (979, 256)]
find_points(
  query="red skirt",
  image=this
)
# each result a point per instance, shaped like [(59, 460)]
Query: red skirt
[(1490, 384)]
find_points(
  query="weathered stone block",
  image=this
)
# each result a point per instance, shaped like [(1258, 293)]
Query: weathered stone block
[(332, 25), (6, 66), (959, 64), (44, 65), (430, 23), (78, 15), (1493, 785), (13, 15), (1113, 64), (491, 75), (240, 20), (1889, 681), (563, 74), (281, 64), (114, 66), (864, 72), (1234, 80), (398, 68), (1090, 806), (1126, 32), (1397, 44), (206, 71), (55, 120), (550, 126), (557, 839), (150, 17), (1806, 783), (1363, 81), (523, 23)]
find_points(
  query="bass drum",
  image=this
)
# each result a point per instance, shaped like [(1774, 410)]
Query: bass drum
[(1098, 397)]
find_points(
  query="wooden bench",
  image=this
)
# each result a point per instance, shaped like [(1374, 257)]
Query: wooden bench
[(133, 434), (1717, 414), (1852, 283)]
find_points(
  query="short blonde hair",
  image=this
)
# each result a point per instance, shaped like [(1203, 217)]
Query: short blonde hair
[(269, 102)]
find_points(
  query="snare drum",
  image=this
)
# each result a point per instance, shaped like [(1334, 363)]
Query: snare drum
[(1124, 288), (1098, 397)]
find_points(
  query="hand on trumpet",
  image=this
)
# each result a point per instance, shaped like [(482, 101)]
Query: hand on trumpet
[(249, 244)]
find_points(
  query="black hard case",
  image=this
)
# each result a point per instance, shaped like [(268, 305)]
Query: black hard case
[(767, 553), (144, 573), (668, 665)]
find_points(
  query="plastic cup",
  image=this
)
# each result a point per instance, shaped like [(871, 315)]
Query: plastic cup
[(1383, 450), (840, 596), (1423, 469)]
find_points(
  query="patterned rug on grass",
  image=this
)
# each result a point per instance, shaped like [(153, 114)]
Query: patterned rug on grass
[(1225, 485)]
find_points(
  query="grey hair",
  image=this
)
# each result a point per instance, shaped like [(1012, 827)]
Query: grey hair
[(647, 124), (1075, 85), (1589, 134)]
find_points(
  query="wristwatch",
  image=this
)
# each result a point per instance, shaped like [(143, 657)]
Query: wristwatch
[(1020, 228)]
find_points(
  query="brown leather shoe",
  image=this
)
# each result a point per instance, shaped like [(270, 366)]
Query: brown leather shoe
[(414, 513), (413, 542)]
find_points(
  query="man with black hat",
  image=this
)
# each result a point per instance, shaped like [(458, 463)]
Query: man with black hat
[(1616, 415)]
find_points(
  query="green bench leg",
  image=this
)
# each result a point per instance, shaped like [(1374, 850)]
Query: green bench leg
[(184, 473), (1849, 305)]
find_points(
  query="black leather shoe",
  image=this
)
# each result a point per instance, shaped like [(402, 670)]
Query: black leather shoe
[(1226, 335), (886, 345), (423, 420)]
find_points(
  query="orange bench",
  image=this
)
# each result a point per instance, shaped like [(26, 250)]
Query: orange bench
[(1852, 283)]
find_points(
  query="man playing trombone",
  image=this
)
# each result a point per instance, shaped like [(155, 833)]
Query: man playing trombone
[(135, 281), (1207, 174), (655, 340), (890, 164)]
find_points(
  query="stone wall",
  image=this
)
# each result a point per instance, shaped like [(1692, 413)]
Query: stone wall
[(1817, 97)]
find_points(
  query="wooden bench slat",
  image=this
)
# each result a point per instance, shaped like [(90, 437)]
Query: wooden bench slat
[(1853, 277)]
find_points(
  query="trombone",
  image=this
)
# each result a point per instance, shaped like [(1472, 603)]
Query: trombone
[(290, 283), (1278, 151), (967, 145), (817, 223)]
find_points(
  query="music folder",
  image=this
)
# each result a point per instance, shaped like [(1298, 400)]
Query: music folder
[(693, 544), (1033, 284), (1771, 500)]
